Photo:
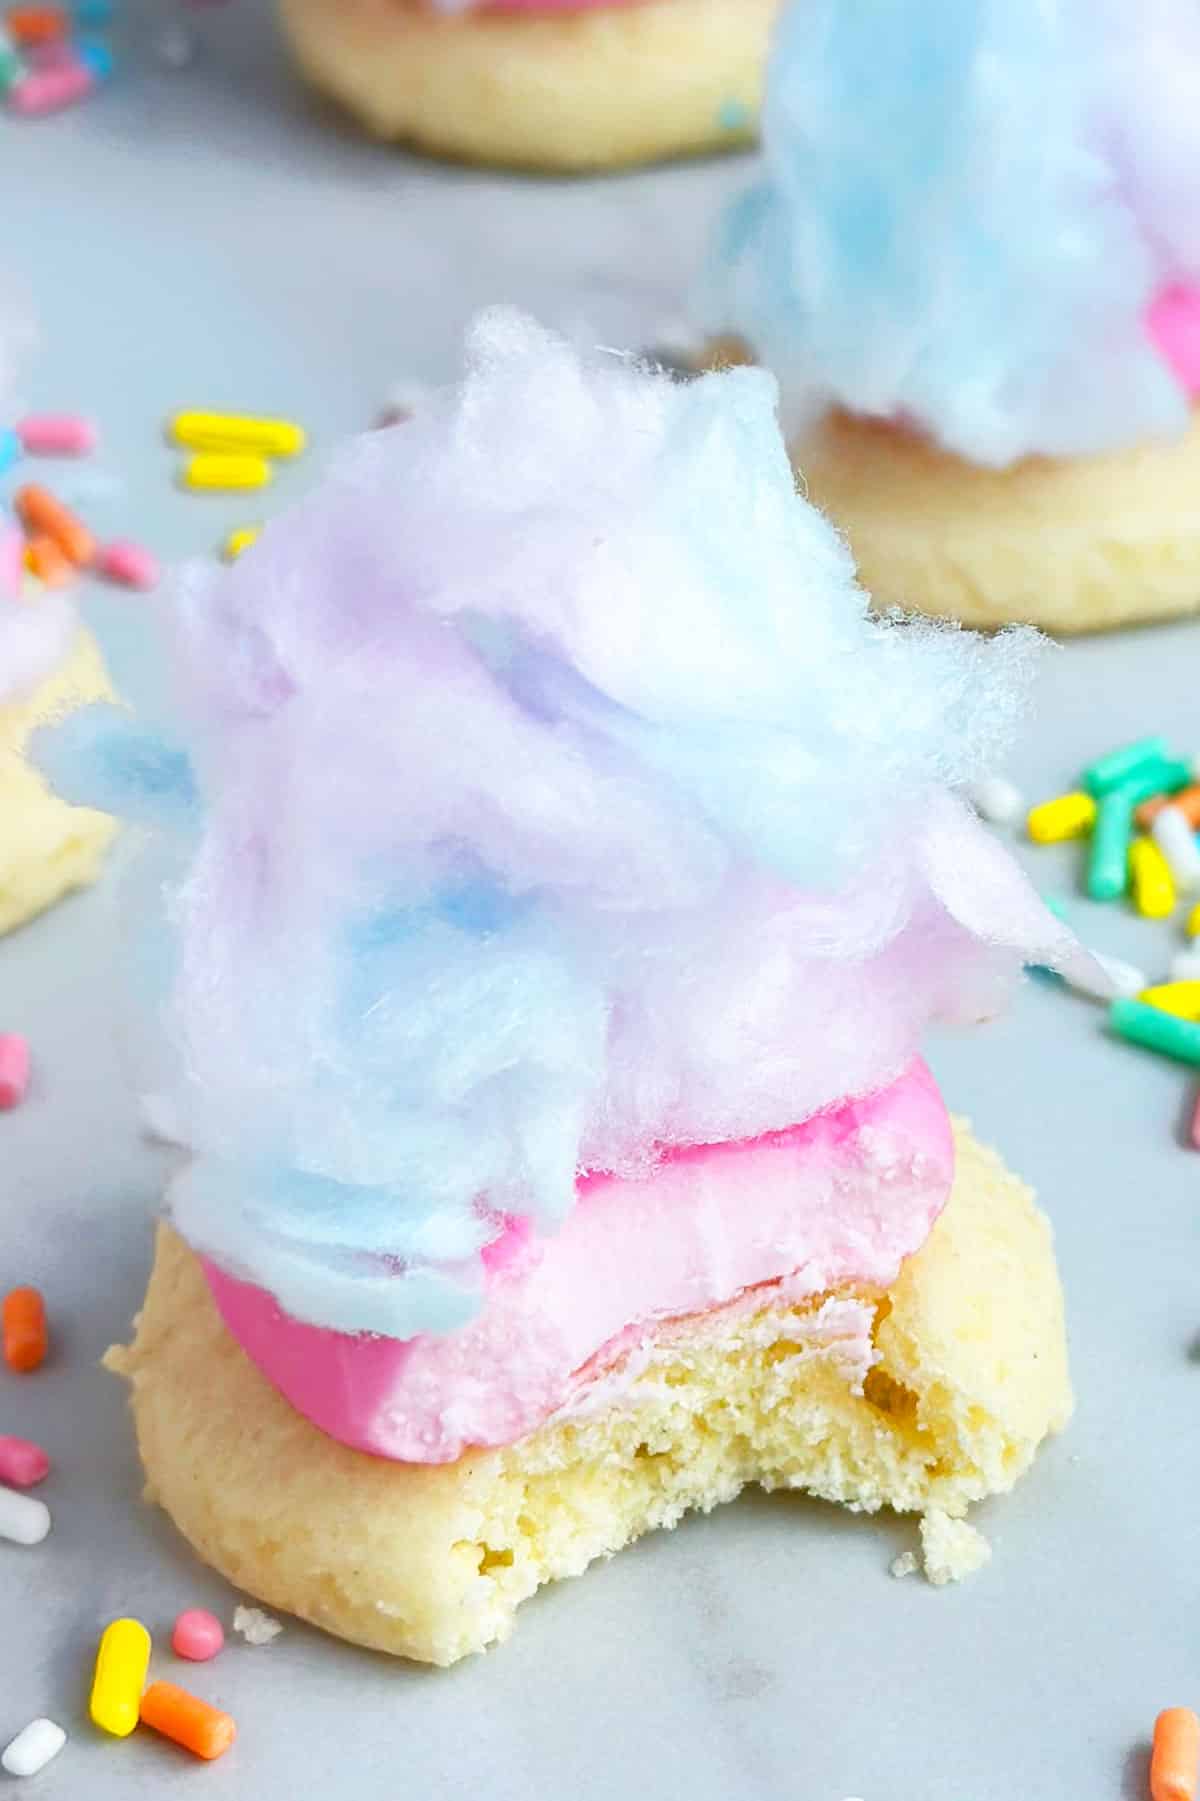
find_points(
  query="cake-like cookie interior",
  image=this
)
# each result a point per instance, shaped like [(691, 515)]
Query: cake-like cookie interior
[(967, 1374)]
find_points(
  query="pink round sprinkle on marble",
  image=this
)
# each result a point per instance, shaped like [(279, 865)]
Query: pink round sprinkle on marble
[(128, 563), (22, 1463), (57, 435), (14, 1069), (197, 1635)]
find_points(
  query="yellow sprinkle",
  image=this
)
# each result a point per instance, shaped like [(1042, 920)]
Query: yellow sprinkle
[(237, 431), (122, 1661), (1066, 816), (210, 470), (1180, 998), (238, 541), (1193, 922), (1151, 880)]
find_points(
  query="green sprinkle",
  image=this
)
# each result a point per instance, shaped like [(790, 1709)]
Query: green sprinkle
[(1108, 855), (1119, 765), (12, 69), (1156, 1030)]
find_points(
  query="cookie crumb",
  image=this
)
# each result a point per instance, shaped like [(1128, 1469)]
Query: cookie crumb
[(951, 1549), (905, 1564), (255, 1626)]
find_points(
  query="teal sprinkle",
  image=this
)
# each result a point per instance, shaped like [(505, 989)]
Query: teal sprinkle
[(1110, 771), (1156, 1030)]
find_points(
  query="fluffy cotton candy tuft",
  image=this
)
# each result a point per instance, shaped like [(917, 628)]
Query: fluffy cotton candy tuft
[(967, 209), (544, 796)]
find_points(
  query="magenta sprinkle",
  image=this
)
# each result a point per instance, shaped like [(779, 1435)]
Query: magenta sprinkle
[(129, 564), (22, 1463), (197, 1635)]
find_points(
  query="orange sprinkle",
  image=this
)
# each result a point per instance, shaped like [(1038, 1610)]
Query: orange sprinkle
[(44, 559), (41, 513), (1187, 800), (203, 1730), (1175, 1759), (23, 1318), (36, 24)]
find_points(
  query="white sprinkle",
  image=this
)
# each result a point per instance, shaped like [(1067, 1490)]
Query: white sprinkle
[(904, 1565), (33, 1748), (1185, 966), (996, 799), (1115, 978), (1174, 837), (175, 46), (255, 1626), (23, 1519)]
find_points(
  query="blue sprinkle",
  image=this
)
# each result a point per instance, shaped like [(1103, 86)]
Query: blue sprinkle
[(10, 450), (98, 58), (92, 15)]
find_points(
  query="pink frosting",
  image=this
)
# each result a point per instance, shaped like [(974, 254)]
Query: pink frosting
[(845, 1197), (1173, 322)]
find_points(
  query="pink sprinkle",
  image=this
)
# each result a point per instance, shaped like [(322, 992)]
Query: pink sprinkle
[(14, 1069), (57, 435), (129, 564), (47, 90), (1173, 320), (22, 1463), (12, 562), (1195, 1132), (197, 1635)]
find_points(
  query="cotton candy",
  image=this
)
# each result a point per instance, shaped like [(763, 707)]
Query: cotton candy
[(968, 207), (535, 797)]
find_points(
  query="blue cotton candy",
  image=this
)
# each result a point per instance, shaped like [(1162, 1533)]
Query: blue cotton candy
[(967, 207), (537, 796)]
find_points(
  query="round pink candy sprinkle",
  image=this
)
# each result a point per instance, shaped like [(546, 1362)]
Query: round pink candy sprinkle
[(197, 1635), (22, 1463), (56, 435), (129, 564)]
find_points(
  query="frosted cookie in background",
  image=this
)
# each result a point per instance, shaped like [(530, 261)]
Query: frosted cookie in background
[(541, 84), (554, 909), (973, 262)]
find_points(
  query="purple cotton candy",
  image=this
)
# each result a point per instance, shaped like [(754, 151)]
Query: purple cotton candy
[(553, 799)]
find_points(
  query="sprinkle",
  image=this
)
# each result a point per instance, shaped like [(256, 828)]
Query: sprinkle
[(1066, 816), (1113, 770), (1185, 966), (34, 1747), (57, 435), (255, 1626), (1180, 998), (175, 46), (237, 432), (42, 514), (22, 1463), (1116, 978), (996, 799), (203, 1730), (1194, 1133), (23, 1519), (1108, 865), (12, 68), (36, 24), (1186, 799), (14, 1070), (23, 1324), (92, 15), (1173, 834), (239, 540), (48, 90), (10, 444), (44, 559), (129, 564), (122, 1660), (1156, 1030), (1193, 922), (1175, 1758), (197, 1635), (211, 470), (1150, 877)]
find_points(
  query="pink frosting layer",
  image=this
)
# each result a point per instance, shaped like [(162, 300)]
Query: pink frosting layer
[(845, 1197)]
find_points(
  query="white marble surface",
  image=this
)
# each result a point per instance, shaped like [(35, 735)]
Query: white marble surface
[(213, 237)]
